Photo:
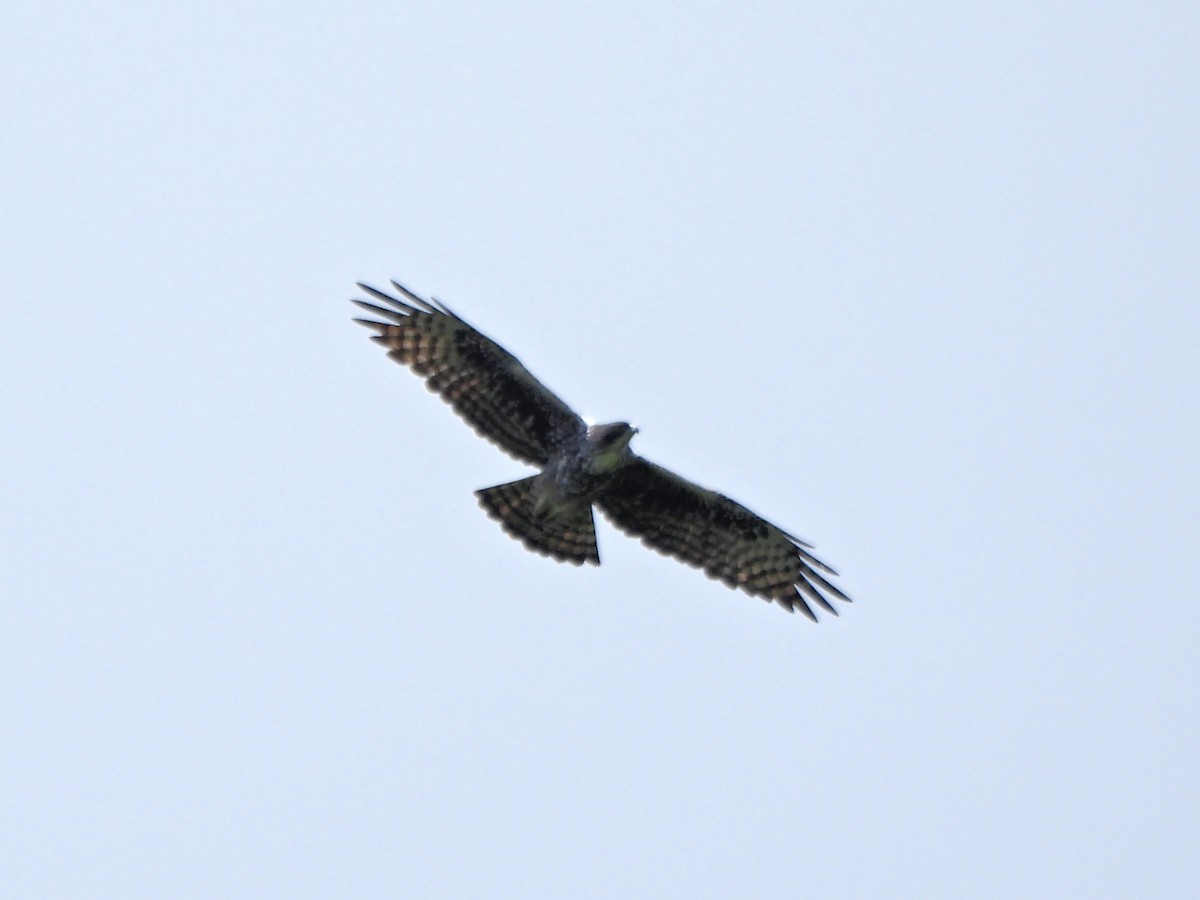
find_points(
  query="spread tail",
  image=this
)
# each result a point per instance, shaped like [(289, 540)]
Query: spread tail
[(567, 537)]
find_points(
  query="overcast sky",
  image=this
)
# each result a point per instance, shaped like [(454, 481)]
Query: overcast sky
[(917, 282)]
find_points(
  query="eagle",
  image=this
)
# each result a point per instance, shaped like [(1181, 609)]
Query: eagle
[(581, 466)]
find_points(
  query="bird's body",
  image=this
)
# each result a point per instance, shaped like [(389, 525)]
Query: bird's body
[(578, 474), (581, 466)]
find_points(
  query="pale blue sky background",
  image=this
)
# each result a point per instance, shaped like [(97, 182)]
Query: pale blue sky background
[(916, 281)]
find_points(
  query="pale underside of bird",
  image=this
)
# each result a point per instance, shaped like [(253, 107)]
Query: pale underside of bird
[(581, 466)]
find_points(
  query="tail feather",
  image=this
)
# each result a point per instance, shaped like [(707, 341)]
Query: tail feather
[(569, 537)]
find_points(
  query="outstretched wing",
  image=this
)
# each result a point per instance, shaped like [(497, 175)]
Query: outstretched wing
[(708, 530), (486, 385)]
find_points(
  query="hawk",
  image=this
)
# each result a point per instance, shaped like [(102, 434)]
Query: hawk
[(581, 466)]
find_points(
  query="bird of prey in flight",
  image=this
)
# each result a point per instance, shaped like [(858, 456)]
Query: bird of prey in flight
[(581, 465)]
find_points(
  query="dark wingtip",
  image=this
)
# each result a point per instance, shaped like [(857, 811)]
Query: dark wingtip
[(399, 317), (387, 298), (403, 290), (433, 308), (827, 585), (803, 608)]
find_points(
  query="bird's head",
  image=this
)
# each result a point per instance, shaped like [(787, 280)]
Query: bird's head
[(613, 436), (610, 445)]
